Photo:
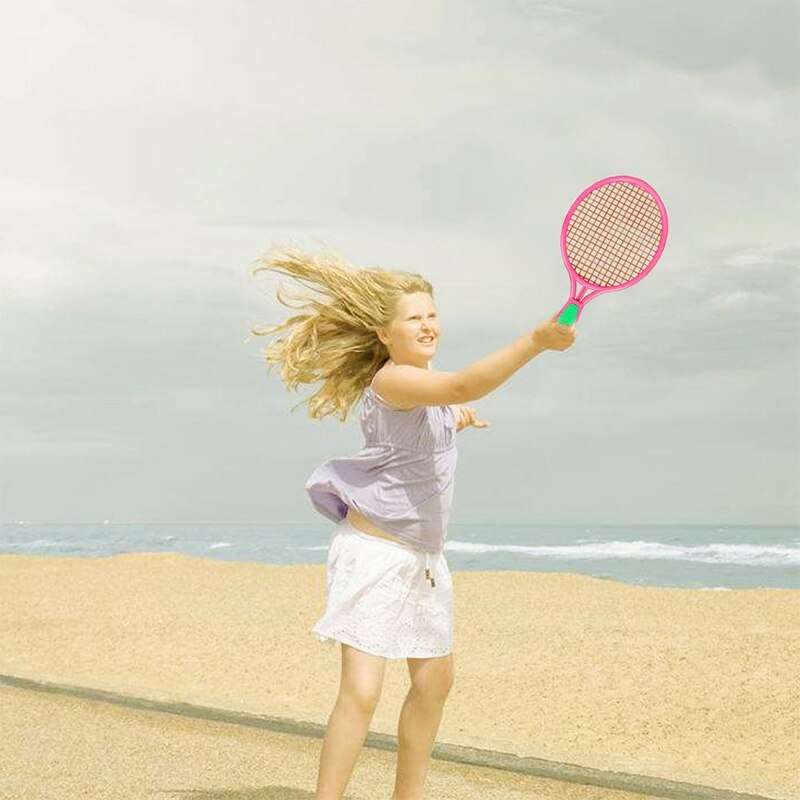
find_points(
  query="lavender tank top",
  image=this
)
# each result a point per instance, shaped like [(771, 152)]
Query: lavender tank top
[(401, 480)]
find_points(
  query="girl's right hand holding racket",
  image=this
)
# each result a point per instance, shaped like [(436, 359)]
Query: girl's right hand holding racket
[(552, 335)]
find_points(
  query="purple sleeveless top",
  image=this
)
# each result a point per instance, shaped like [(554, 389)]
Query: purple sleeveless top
[(401, 480)]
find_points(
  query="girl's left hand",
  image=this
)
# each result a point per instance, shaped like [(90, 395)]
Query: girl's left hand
[(466, 417)]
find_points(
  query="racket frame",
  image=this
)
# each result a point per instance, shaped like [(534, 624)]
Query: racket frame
[(571, 310)]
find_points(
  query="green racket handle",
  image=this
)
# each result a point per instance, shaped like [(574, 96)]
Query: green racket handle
[(568, 315)]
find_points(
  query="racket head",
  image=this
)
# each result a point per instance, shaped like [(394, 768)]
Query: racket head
[(614, 233)]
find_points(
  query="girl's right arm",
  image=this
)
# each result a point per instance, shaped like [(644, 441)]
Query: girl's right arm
[(406, 385)]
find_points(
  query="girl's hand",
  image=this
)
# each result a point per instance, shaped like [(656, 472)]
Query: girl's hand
[(552, 335), (466, 417)]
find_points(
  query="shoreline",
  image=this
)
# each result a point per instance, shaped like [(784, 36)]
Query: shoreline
[(681, 556), (321, 564)]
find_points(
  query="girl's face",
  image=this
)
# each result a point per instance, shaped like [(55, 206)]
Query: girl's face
[(415, 319)]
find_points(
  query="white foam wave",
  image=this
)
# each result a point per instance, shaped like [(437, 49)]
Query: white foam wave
[(35, 543), (745, 554)]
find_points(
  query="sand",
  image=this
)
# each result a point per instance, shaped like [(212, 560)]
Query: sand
[(683, 684), (59, 748)]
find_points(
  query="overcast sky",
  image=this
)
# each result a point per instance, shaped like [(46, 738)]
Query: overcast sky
[(152, 150)]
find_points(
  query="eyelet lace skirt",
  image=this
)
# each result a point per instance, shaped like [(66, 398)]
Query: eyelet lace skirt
[(386, 598)]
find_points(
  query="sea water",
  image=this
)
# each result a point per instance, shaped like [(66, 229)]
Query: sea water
[(702, 556)]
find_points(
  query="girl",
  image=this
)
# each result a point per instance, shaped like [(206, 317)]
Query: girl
[(389, 587)]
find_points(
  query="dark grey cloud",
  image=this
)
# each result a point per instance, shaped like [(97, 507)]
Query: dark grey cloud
[(696, 35), (733, 308)]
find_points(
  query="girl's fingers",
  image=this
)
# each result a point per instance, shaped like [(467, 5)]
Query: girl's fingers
[(467, 417)]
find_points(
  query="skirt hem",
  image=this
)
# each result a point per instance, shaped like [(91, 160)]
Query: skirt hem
[(329, 640)]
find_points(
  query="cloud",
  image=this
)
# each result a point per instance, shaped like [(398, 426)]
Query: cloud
[(739, 311), (152, 151), (700, 36)]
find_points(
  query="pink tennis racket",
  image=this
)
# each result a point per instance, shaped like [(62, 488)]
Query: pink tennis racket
[(612, 236)]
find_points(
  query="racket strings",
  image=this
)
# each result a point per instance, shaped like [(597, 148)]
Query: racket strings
[(613, 234)]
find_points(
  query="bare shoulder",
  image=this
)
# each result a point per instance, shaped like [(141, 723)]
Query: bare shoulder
[(405, 386), (379, 388)]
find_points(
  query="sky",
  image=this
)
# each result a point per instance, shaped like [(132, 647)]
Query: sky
[(153, 150)]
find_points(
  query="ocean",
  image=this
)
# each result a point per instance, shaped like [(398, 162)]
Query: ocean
[(703, 556)]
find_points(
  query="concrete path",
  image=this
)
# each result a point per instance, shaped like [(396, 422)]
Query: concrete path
[(57, 746)]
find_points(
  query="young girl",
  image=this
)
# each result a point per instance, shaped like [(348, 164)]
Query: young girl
[(389, 587)]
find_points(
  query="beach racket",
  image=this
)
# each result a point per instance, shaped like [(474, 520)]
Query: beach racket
[(612, 236)]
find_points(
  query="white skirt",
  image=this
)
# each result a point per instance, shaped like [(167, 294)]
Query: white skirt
[(380, 599)]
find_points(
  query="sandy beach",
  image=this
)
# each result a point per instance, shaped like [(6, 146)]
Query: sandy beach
[(689, 685), (57, 747)]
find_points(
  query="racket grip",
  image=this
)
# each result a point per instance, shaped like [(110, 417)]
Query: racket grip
[(568, 314)]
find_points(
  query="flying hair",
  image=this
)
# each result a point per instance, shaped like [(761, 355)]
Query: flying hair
[(334, 340)]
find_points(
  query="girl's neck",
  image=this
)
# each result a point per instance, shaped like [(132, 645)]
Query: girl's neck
[(389, 361)]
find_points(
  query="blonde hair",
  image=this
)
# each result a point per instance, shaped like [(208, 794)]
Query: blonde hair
[(335, 341)]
